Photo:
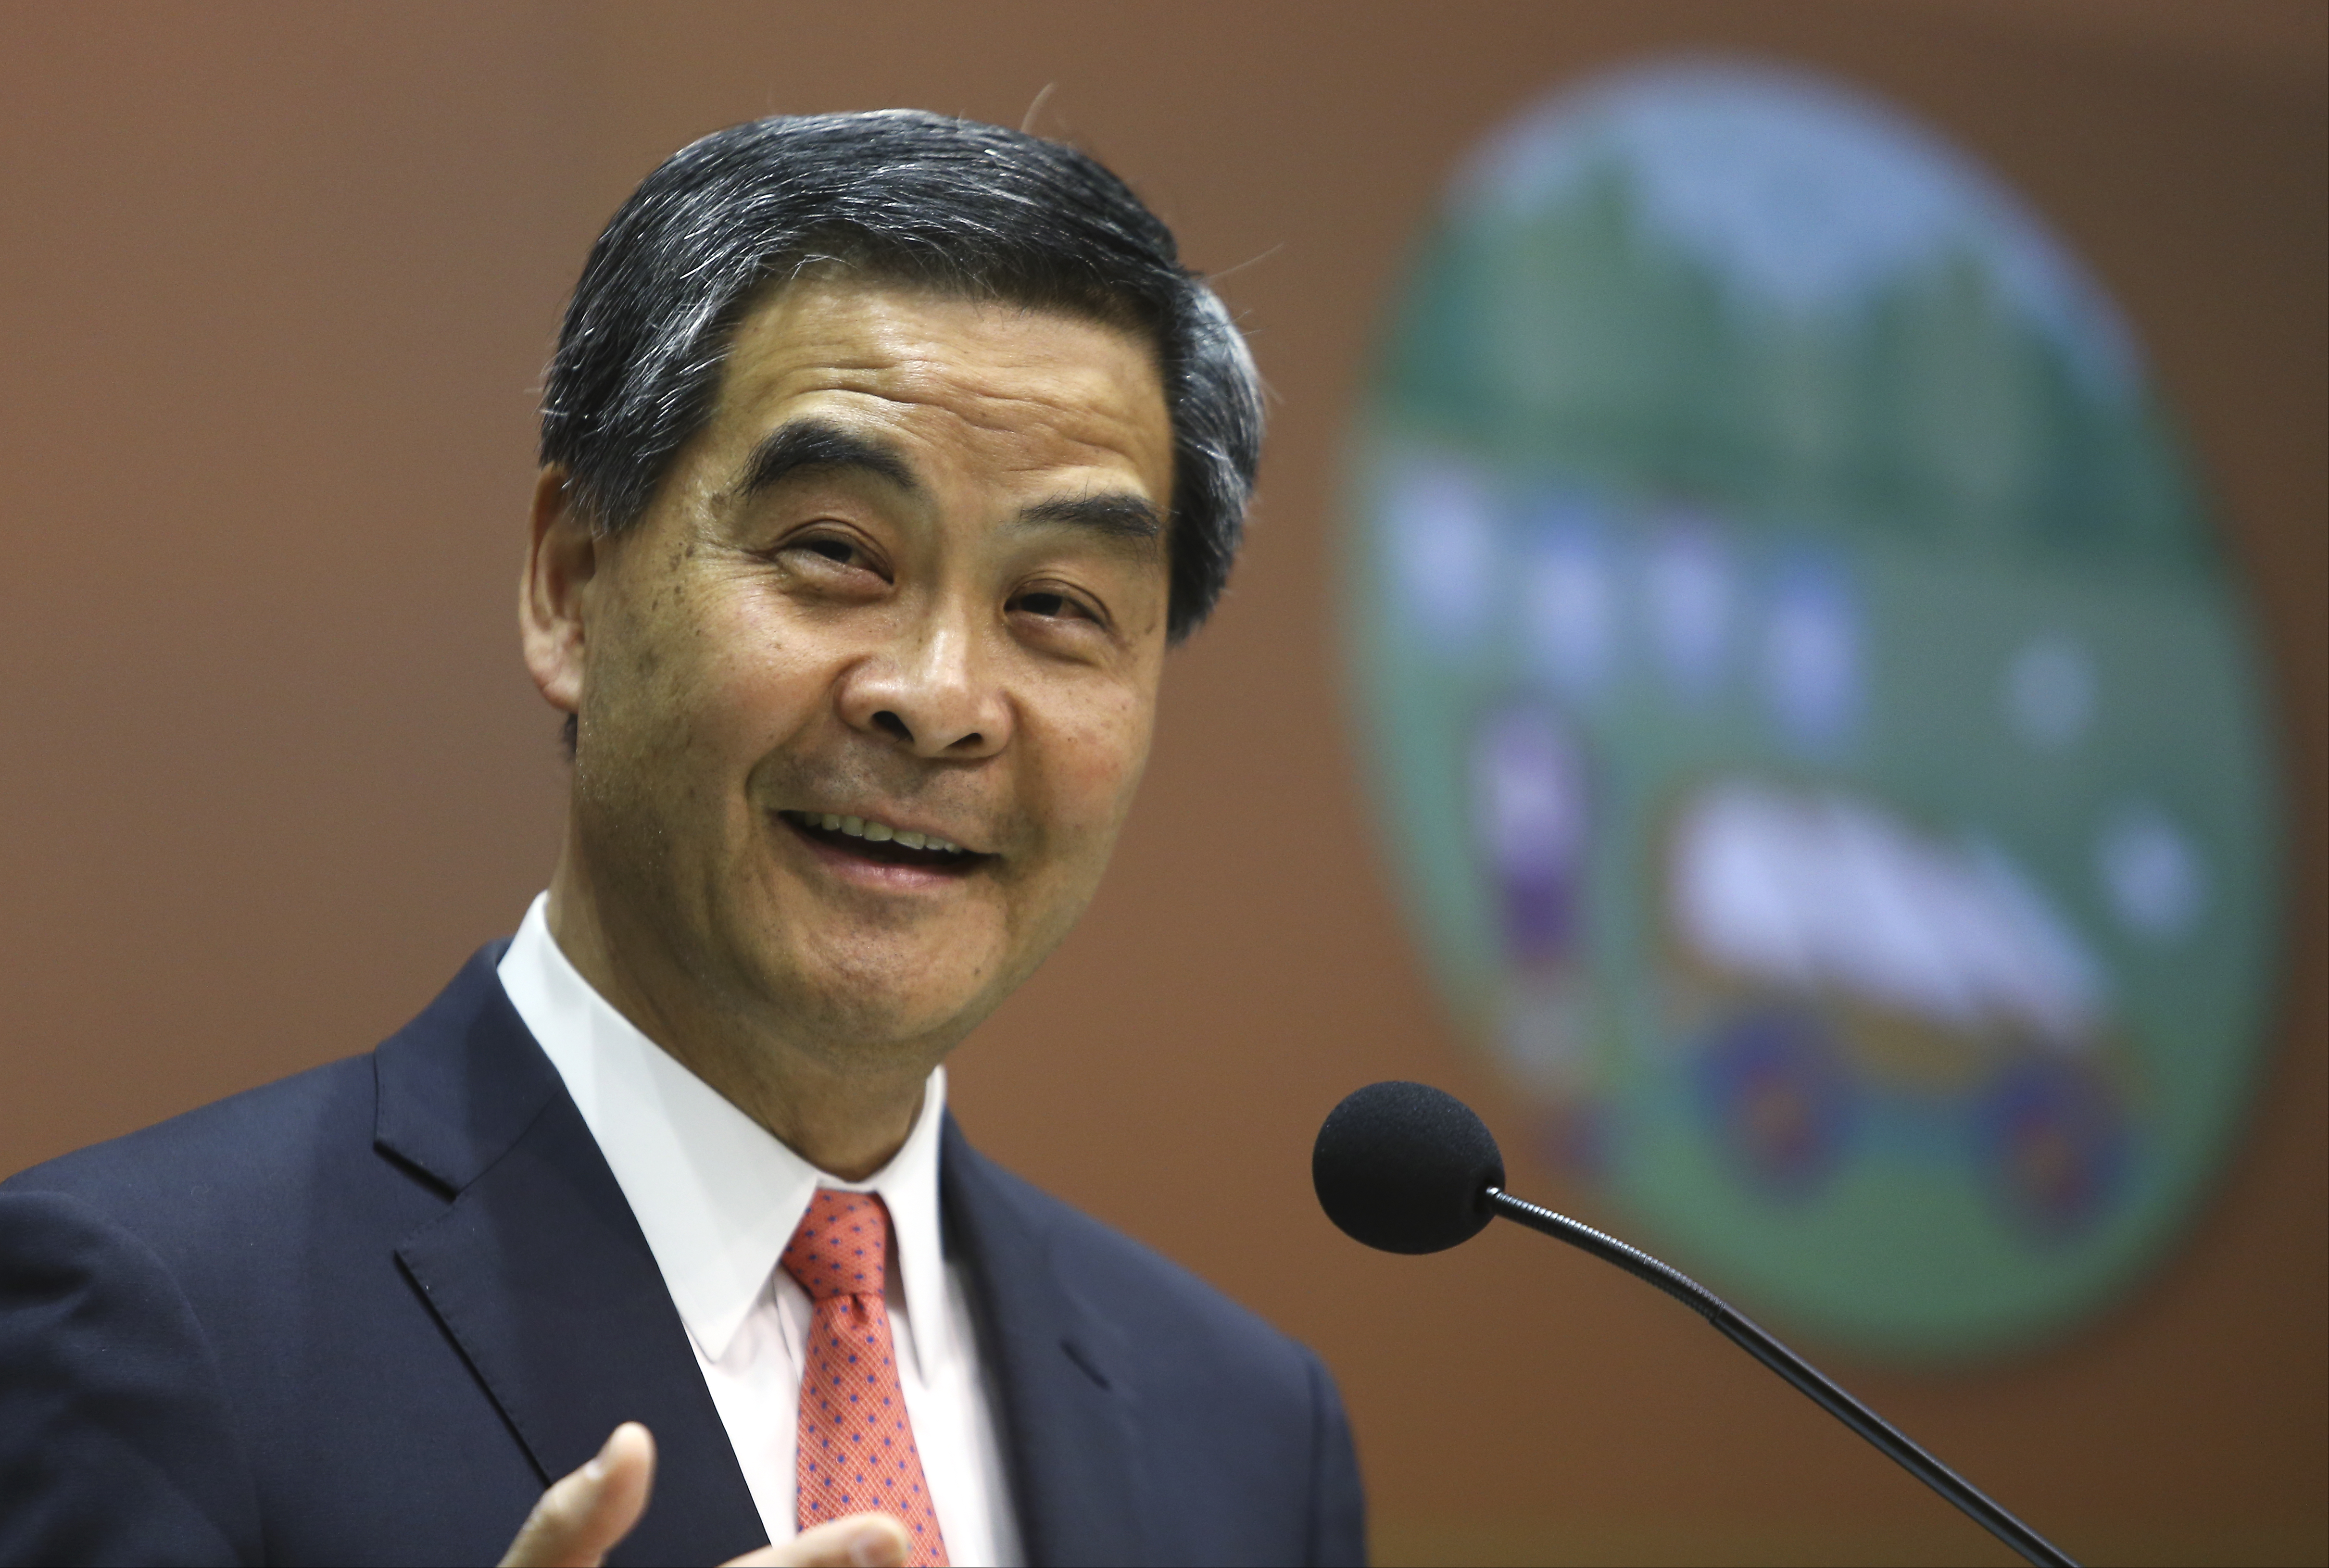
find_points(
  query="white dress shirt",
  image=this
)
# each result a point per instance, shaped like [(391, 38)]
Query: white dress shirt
[(719, 1197)]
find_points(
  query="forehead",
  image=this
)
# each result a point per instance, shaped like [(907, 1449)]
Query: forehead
[(987, 382)]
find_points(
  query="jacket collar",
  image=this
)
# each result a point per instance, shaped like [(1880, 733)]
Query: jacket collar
[(539, 1272), (461, 1082), (540, 1275), (717, 1195), (1058, 1365)]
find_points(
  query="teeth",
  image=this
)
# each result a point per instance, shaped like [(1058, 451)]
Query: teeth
[(875, 832)]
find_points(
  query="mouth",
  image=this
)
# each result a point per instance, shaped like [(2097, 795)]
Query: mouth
[(879, 842)]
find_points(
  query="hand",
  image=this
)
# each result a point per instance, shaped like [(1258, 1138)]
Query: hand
[(578, 1520)]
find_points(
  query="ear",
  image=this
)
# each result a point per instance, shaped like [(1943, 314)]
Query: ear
[(562, 560)]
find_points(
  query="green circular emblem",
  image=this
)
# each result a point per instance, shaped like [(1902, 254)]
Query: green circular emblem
[(1820, 737)]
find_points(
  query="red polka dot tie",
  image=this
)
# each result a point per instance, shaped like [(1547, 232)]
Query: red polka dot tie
[(856, 1445)]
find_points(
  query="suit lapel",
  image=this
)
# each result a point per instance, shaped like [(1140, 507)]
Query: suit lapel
[(540, 1275), (1069, 1415)]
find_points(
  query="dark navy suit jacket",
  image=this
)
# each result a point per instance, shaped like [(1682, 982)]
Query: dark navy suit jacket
[(366, 1314)]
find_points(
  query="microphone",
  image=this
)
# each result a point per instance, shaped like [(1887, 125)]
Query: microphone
[(1407, 1168)]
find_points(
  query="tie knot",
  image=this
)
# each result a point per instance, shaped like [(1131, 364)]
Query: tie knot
[(842, 1247)]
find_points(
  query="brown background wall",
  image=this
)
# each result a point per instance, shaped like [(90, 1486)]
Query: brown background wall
[(276, 285)]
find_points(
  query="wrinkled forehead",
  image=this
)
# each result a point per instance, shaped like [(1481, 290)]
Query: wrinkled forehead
[(1019, 385)]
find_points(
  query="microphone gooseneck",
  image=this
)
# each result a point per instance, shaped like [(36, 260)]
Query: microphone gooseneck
[(1407, 1168)]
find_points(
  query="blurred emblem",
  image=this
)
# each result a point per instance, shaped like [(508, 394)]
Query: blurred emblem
[(1818, 733)]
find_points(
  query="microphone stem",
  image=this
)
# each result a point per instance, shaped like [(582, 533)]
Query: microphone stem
[(1743, 1332)]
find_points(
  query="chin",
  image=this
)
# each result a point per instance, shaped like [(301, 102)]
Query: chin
[(881, 1007)]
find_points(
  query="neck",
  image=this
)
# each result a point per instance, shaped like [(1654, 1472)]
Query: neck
[(848, 1115)]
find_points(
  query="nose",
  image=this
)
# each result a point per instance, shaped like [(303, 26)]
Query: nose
[(933, 693)]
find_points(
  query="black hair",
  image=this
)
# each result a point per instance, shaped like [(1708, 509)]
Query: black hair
[(906, 197)]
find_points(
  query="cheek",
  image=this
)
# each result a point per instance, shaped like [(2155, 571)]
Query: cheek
[(755, 684), (709, 677), (1095, 754)]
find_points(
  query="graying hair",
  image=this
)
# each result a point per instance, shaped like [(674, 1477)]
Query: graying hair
[(900, 196)]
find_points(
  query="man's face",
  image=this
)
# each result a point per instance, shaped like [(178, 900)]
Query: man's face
[(908, 583)]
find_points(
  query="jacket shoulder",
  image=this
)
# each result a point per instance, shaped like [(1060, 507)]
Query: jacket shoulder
[(229, 1158), (1142, 1315), (235, 1171), (1152, 1299)]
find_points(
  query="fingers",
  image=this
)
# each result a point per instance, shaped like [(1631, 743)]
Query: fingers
[(858, 1541), (578, 1520)]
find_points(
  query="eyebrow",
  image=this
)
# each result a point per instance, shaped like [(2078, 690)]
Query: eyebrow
[(814, 444), (1123, 515), (803, 445)]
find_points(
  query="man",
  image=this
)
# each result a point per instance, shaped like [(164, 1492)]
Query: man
[(883, 456)]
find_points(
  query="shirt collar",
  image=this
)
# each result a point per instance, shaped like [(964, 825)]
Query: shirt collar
[(716, 1194)]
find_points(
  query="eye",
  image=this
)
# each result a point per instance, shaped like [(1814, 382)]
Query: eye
[(1051, 604), (839, 551), (830, 548)]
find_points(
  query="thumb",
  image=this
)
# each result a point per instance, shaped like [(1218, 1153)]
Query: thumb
[(578, 1520), (858, 1541)]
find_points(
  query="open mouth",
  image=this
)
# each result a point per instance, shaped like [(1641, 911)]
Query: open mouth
[(878, 842)]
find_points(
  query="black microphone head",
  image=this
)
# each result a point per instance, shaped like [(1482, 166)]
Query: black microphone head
[(1403, 1166)]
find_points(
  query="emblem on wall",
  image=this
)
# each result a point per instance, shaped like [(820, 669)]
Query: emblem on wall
[(1818, 733)]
